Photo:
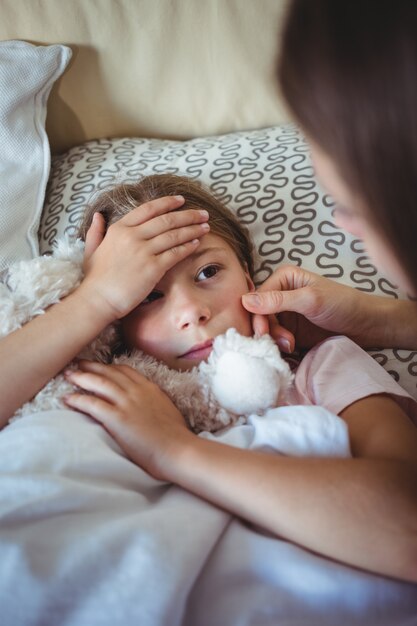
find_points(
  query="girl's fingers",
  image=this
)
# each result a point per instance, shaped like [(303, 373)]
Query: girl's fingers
[(169, 222), (151, 209), (117, 372), (178, 237), (129, 372), (172, 256), (95, 235), (94, 406), (97, 383)]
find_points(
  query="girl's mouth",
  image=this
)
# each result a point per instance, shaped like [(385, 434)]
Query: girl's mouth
[(199, 352)]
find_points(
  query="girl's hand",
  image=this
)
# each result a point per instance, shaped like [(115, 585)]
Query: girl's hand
[(136, 412), (310, 308), (137, 251), (94, 237)]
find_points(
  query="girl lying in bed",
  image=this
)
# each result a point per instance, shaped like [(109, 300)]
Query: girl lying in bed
[(176, 283)]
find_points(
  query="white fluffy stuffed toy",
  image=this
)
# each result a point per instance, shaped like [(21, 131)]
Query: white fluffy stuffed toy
[(242, 375)]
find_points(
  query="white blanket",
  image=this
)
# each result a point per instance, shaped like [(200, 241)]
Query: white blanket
[(89, 539)]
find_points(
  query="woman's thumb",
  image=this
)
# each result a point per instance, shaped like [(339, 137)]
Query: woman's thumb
[(264, 302)]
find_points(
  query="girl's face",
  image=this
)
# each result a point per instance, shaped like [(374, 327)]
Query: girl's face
[(350, 215), (195, 301)]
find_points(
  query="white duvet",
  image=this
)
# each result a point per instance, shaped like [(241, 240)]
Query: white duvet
[(89, 539)]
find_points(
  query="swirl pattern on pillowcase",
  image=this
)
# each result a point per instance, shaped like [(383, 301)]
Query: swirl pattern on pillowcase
[(265, 176)]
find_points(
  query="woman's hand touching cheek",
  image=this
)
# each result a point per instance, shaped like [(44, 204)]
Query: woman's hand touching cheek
[(269, 324), (136, 412), (305, 308)]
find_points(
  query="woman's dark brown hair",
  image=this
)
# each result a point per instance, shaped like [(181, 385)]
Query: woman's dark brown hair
[(118, 201), (348, 71)]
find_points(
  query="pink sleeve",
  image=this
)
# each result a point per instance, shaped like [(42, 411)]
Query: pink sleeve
[(337, 372)]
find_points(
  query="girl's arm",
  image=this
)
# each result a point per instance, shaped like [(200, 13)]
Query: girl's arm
[(133, 256), (361, 511), (34, 354)]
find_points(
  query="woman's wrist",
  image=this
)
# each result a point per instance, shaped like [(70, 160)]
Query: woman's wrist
[(400, 324), (386, 323)]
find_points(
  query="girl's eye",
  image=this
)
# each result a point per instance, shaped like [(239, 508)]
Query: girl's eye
[(151, 297), (208, 272)]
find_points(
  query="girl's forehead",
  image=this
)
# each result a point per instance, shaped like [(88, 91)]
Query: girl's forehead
[(211, 244), (212, 248)]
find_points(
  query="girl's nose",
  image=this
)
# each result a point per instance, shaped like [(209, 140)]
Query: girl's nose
[(191, 311)]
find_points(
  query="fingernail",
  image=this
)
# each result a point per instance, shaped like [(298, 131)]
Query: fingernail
[(252, 298), (204, 213), (205, 226), (179, 198), (284, 345)]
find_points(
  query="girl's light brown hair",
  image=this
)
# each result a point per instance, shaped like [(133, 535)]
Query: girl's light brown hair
[(121, 199), (348, 71)]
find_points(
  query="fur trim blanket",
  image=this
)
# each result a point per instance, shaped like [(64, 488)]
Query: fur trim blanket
[(242, 376)]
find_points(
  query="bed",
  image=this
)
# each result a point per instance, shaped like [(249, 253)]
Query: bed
[(93, 92)]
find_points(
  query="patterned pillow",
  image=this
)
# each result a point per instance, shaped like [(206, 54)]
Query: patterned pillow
[(265, 176)]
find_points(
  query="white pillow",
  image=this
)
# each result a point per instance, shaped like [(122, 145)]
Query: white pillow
[(27, 73), (265, 176)]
